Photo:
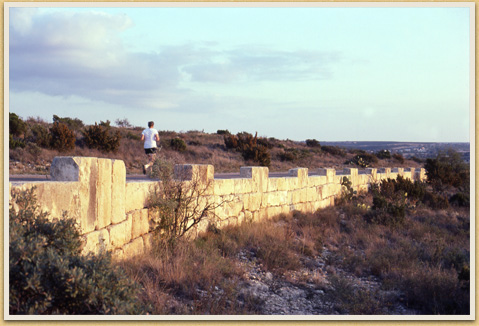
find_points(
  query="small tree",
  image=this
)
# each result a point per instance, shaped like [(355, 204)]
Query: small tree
[(16, 125), (181, 201), (101, 137), (73, 124), (447, 170), (62, 138)]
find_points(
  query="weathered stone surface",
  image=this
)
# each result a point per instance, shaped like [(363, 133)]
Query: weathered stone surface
[(224, 187), (118, 188), (136, 195), (120, 234), (96, 242), (140, 224), (134, 248), (103, 186), (64, 169)]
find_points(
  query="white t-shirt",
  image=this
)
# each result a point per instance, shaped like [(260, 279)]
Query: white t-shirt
[(149, 134)]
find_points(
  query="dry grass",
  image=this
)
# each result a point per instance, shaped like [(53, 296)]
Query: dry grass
[(202, 148)]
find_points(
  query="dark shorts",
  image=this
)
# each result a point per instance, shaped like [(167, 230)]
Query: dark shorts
[(150, 150)]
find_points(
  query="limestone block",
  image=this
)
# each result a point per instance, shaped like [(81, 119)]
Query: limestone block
[(303, 194), (140, 224), (136, 195), (120, 234), (64, 168), (373, 174), (352, 174), (57, 197), (117, 254), (134, 248), (248, 216), (118, 184), (329, 173), (301, 174), (316, 180), (273, 211), (96, 242), (292, 183), (104, 193), (88, 177), (259, 176), (272, 184), (254, 202), (412, 173), (224, 187), (242, 186), (295, 196), (422, 174)]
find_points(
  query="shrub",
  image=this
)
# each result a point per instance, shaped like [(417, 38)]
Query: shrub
[(398, 157), (363, 160), (333, 150), (223, 132), (15, 142), (179, 204), (49, 276), (17, 126), (41, 136), (250, 147), (447, 170), (62, 138), (383, 154), (102, 137), (123, 123), (313, 143), (178, 144), (73, 124)]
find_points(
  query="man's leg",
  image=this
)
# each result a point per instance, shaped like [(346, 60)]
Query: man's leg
[(151, 159)]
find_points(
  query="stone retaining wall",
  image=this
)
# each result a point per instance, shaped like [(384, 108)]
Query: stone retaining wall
[(112, 213)]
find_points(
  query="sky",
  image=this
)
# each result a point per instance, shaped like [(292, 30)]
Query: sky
[(331, 74)]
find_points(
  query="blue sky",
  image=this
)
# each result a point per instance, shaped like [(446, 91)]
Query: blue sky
[(332, 74)]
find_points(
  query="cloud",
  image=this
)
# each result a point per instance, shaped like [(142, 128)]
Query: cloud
[(83, 54), (246, 64)]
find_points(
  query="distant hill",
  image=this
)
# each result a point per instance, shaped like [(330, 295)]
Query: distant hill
[(407, 149)]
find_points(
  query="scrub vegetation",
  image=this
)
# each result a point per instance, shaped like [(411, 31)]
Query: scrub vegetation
[(35, 142), (401, 247)]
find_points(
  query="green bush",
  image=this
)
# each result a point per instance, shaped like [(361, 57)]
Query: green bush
[(178, 144), (41, 136), (62, 138), (251, 148), (17, 126), (15, 142), (313, 143), (398, 157), (223, 132), (447, 170), (49, 276), (383, 154), (333, 150), (73, 124), (101, 137), (363, 160)]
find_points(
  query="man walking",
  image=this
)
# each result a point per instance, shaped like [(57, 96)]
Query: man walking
[(150, 136)]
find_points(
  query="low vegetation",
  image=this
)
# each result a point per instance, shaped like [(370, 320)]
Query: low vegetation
[(35, 142), (49, 276), (402, 247)]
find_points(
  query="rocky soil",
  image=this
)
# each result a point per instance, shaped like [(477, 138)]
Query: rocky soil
[(309, 290)]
